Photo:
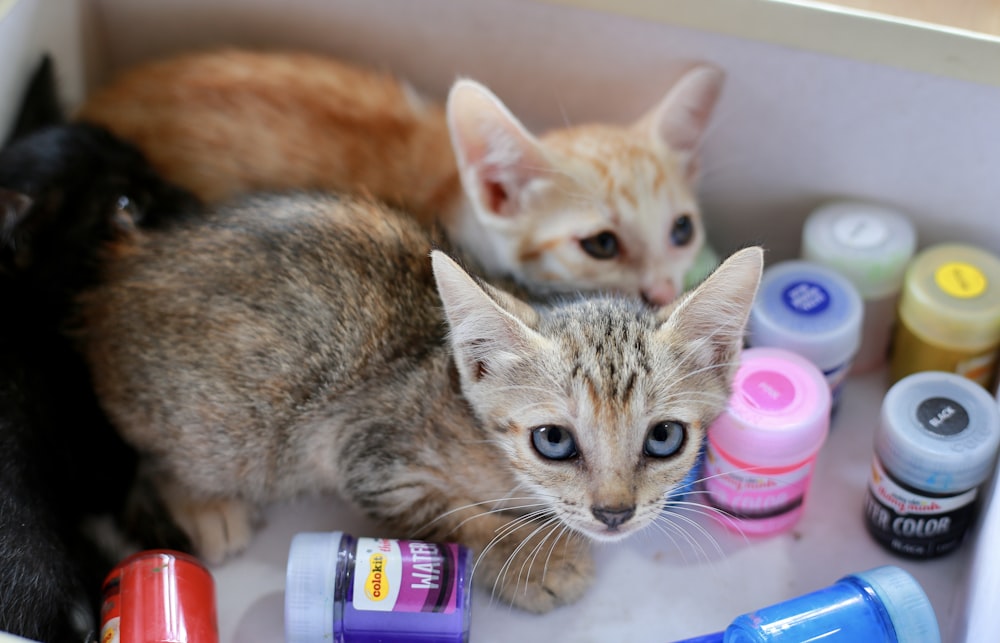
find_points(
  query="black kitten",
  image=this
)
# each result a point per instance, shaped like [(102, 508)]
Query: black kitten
[(66, 192)]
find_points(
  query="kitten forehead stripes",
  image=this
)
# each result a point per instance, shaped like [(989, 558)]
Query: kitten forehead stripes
[(596, 347)]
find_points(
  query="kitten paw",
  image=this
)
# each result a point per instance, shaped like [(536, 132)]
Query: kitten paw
[(217, 528), (543, 578)]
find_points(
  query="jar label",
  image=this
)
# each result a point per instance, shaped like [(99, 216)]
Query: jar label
[(978, 368), (405, 576), (746, 495), (860, 231), (912, 524), (960, 279), (768, 391), (806, 298), (942, 416)]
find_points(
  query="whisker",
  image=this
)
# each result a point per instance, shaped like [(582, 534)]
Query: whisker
[(701, 530)]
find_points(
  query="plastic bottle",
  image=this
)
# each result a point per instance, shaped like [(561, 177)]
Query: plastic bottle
[(811, 310), (159, 596), (345, 590), (762, 449), (949, 314), (881, 605), (936, 444), (871, 245)]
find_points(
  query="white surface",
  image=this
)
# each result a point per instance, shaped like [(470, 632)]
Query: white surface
[(793, 129), (649, 588)]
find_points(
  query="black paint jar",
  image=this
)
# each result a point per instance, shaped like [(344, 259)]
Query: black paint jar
[(936, 444)]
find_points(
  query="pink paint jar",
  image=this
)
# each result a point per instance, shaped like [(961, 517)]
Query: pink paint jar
[(762, 450)]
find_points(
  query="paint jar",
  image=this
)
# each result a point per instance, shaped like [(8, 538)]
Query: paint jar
[(690, 482), (811, 310), (762, 449), (949, 314), (705, 262), (881, 605), (159, 596), (345, 590), (871, 246), (935, 445)]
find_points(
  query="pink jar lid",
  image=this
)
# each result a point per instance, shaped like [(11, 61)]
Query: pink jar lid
[(779, 411)]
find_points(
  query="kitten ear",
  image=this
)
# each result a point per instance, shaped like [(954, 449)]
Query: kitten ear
[(680, 119), (711, 320), (497, 157), (489, 328), (40, 106)]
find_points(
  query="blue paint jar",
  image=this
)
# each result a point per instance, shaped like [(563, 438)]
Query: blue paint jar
[(812, 310), (882, 605)]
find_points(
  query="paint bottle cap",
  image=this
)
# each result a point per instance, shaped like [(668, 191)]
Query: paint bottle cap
[(904, 601), (951, 296), (310, 580), (869, 244), (808, 309), (779, 412), (939, 432)]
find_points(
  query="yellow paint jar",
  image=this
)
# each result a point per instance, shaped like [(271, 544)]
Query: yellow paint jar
[(949, 314)]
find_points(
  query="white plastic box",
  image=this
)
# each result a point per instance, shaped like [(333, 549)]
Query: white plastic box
[(818, 104)]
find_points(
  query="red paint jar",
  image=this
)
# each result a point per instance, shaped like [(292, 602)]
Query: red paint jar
[(159, 596)]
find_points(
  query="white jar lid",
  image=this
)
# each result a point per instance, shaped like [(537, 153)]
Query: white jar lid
[(869, 244), (310, 582), (939, 432), (809, 309)]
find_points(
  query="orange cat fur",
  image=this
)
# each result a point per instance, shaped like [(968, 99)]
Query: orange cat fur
[(593, 207)]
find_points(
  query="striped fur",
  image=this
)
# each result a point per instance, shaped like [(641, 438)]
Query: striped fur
[(296, 344)]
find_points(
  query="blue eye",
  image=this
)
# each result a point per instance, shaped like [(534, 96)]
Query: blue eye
[(554, 442), (664, 439)]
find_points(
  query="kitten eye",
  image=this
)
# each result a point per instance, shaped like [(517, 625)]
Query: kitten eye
[(126, 212), (664, 439), (554, 442), (603, 245), (683, 230)]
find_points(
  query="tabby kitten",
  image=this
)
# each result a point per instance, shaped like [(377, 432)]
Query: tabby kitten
[(594, 207), (65, 190), (296, 343)]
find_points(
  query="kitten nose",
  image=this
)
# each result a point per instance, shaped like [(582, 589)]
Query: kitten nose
[(613, 516), (659, 294)]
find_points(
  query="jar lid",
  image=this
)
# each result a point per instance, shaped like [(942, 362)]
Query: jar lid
[(808, 309), (939, 432), (951, 296), (869, 244), (310, 581), (905, 603), (778, 413)]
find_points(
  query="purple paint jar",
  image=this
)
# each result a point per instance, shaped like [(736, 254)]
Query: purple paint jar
[(344, 590)]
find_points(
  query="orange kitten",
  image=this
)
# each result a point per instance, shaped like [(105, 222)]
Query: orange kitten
[(594, 207)]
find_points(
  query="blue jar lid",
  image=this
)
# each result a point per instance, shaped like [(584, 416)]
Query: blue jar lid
[(939, 432), (809, 309), (904, 601)]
